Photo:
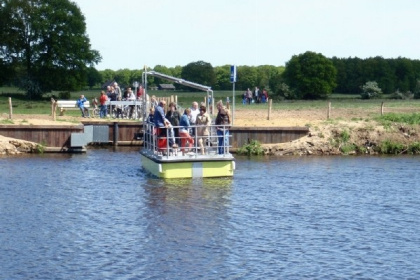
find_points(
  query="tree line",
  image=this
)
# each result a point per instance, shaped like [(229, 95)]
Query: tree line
[(391, 74), (306, 76)]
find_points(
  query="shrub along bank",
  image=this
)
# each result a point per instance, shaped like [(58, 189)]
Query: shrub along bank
[(392, 134)]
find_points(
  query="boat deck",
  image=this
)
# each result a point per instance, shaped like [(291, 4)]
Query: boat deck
[(178, 156)]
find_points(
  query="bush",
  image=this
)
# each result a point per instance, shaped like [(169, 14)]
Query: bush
[(284, 91), (414, 148), (390, 147), (31, 87), (371, 90), (402, 95), (253, 148), (417, 90), (64, 95)]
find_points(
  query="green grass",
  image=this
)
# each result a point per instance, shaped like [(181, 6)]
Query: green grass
[(21, 105), (413, 118)]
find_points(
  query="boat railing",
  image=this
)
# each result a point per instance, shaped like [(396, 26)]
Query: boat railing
[(192, 144)]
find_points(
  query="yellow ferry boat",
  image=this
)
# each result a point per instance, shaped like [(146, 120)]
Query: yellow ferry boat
[(163, 161)]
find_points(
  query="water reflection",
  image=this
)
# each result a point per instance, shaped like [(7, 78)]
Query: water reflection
[(186, 219)]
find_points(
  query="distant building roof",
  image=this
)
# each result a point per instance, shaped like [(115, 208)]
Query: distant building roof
[(108, 83), (166, 87)]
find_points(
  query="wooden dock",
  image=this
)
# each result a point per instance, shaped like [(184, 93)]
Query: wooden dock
[(57, 138)]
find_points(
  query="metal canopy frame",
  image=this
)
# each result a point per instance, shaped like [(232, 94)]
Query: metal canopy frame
[(178, 81)]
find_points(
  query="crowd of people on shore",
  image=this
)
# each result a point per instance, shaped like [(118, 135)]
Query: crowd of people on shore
[(114, 93), (255, 96)]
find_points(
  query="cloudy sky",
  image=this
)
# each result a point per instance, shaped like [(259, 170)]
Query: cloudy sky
[(133, 33)]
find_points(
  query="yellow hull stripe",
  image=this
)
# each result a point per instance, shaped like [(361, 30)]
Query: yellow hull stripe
[(189, 169)]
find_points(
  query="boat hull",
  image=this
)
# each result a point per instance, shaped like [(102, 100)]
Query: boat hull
[(189, 168)]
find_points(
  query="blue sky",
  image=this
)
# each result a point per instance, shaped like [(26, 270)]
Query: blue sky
[(133, 33)]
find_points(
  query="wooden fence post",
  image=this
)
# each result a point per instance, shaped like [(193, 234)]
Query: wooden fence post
[(270, 103), (53, 108), (382, 108), (10, 108), (329, 110)]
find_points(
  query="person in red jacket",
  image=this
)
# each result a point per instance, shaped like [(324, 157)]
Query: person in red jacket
[(102, 100)]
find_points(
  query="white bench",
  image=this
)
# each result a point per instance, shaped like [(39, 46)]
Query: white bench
[(124, 103), (69, 105)]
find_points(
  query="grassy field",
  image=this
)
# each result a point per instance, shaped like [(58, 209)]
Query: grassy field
[(21, 105)]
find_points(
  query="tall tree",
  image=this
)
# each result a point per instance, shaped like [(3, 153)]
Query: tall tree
[(311, 75), (199, 72), (222, 78), (247, 77), (44, 42), (94, 78)]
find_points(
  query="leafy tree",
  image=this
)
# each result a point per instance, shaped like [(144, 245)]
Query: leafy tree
[(405, 74), (199, 72), (371, 90), (222, 78), (94, 77), (310, 75), (266, 74), (246, 77), (107, 75), (136, 75), (44, 44), (176, 71), (122, 77)]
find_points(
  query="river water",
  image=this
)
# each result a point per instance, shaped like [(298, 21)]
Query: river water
[(99, 216)]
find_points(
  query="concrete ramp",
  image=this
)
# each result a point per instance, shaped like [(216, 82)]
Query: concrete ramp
[(91, 133)]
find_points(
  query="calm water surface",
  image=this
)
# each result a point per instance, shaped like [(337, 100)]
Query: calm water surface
[(99, 216)]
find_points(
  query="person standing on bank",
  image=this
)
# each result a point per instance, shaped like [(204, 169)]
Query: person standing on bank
[(102, 100), (223, 125), (81, 104), (131, 97)]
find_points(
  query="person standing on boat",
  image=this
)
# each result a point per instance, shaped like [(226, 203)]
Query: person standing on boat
[(203, 123), (183, 131), (161, 123), (150, 118), (153, 101), (193, 116), (223, 124), (174, 118)]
